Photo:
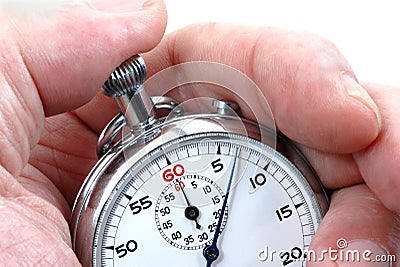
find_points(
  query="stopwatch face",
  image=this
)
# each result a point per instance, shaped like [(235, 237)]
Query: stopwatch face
[(166, 209)]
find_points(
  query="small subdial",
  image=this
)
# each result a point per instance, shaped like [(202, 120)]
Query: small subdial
[(187, 211)]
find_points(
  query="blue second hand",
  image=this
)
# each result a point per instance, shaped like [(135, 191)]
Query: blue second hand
[(213, 249)]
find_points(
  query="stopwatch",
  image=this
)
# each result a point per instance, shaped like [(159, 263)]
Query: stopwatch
[(177, 187)]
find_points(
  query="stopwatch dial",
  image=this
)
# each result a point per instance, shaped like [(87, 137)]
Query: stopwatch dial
[(187, 211), (165, 209)]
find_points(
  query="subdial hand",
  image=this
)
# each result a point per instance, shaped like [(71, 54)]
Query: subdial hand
[(191, 212), (211, 252)]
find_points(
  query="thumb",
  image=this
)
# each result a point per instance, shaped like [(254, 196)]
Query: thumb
[(56, 59)]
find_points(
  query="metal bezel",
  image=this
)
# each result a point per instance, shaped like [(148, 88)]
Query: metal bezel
[(113, 165)]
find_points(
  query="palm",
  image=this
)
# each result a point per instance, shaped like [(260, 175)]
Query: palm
[(57, 166), (37, 220), (65, 153)]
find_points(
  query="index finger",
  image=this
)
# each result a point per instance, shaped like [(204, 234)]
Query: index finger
[(312, 91)]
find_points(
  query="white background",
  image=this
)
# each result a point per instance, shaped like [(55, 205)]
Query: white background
[(366, 32)]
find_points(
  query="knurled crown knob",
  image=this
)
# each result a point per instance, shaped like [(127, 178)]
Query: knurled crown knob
[(127, 78), (125, 85)]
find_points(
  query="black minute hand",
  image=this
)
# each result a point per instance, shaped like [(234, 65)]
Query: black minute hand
[(211, 252), (191, 212)]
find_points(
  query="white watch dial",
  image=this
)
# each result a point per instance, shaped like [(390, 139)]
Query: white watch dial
[(166, 208)]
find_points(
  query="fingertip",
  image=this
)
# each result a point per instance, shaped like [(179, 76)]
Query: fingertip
[(81, 46), (118, 6), (142, 25), (329, 112), (302, 75), (356, 91)]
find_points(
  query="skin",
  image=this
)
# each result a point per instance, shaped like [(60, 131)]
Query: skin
[(50, 82)]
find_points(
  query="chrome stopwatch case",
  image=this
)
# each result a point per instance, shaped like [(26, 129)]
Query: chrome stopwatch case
[(208, 189)]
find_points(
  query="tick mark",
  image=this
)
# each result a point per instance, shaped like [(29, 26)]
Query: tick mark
[(128, 196), (266, 166), (168, 161)]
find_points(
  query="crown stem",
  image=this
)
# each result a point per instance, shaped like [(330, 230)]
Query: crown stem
[(125, 85)]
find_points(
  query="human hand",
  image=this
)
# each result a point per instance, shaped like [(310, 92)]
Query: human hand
[(48, 65), (347, 131), (335, 124)]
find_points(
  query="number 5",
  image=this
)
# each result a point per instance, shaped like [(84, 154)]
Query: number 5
[(217, 165)]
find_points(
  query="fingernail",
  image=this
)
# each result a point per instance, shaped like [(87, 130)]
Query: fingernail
[(364, 253), (120, 6), (356, 91)]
